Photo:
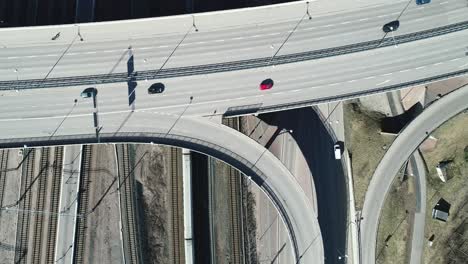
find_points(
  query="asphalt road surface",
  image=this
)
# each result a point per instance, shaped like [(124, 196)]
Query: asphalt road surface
[(316, 145), (193, 133), (218, 39), (401, 149)]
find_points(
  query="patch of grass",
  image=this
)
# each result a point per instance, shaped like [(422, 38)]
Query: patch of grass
[(466, 154), (451, 238), (395, 223), (366, 145)]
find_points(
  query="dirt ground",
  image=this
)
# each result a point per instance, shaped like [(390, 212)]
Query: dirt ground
[(103, 244), (365, 144), (451, 238), (8, 218), (152, 176), (221, 213), (394, 233)]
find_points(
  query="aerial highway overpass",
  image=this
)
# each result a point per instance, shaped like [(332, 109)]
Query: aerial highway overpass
[(231, 52), (189, 132), (211, 63), (400, 150)]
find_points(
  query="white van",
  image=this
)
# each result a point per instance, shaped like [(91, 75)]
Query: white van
[(337, 151)]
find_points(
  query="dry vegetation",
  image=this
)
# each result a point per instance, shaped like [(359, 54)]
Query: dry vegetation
[(451, 238), (395, 222), (366, 145)]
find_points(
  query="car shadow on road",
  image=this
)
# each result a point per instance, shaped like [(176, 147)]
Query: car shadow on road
[(316, 144)]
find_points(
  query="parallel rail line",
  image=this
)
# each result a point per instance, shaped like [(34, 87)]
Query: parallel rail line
[(40, 205), (22, 229), (54, 204), (127, 204), (83, 205), (232, 65), (3, 168), (237, 256), (176, 205)]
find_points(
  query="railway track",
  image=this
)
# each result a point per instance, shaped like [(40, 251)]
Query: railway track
[(40, 204), (127, 205), (176, 205), (22, 229), (236, 229), (3, 168), (83, 204), (54, 204), (235, 205)]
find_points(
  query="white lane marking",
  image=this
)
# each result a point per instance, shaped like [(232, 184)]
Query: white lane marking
[(163, 46), (387, 74), (351, 81), (370, 77), (334, 84), (72, 53), (219, 40), (273, 34), (295, 91), (363, 19), (12, 57), (145, 48), (438, 63), (108, 51), (346, 22), (420, 67), (464, 65), (238, 38), (260, 95), (329, 25), (407, 70), (443, 3), (31, 56), (278, 93), (90, 52), (384, 82), (381, 16), (51, 55), (455, 59)]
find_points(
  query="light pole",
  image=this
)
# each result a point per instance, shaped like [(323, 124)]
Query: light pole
[(16, 71), (181, 114), (341, 256), (63, 120), (289, 35), (95, 116)]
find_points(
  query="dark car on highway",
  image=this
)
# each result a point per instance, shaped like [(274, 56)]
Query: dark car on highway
[(422, 2), (88, 92), (391, 26), (156, 88)]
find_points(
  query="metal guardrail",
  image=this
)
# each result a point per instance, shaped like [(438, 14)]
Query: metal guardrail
[(228, 66), (198, 145)]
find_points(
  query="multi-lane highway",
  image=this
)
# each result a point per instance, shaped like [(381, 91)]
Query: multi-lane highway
[(400, 150), (30, 58), (30, 53)]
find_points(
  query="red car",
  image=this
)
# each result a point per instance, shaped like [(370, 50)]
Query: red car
[(266, 84)]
